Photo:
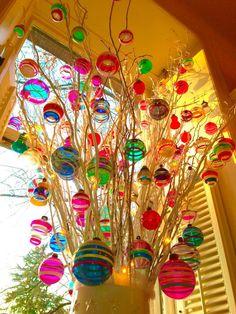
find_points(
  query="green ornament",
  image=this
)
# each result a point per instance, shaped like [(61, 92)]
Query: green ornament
[(19, 30), (78, 34), (135, 150), (144, 66), (20, 146), (104, 171)]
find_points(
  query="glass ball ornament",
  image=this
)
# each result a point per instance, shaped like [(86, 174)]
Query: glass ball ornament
[(162, 177), (158, 109), (106, 229), (185, 137), (186, 115), (186, 253), (188, 216), (166, 148), (40, 194), (187, 64), (19, 146), (58, 242), (143, 105), (171, 198), (91, 141), (58, 12), (181, 87), (101, 110), (19, 30), (39, 228), (65, 161), (210, 128), (150, 219), (28, 68), (197, 113), (104, 171), (141, 254), (193, 236), (215, 163), (80, 201), (35, 91), (51, 270), (78, 34), (201, 145), (176, 278), (126, 37), (96, 80), (80, 219), (53, 112), (210, 176), (66, 72), (224, 149), (93, 263), (107, 64), (139, 87), (15, 123), (175, 124), (134, 150), (144, 124), (144, 66), (82, 66)]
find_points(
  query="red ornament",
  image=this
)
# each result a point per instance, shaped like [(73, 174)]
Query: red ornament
[(150, 219), (186, 115), (185, 137), (174, 122), (126, 37), (105, 152), (181, 69), (97, 137), (139, 87), (210, 128), (171, 198), (181, 87), (143, 104), (144, 124), (107, 64)]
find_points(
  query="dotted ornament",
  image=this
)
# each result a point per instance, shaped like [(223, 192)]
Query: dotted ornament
[(93, 263), (51, 270), (176, 278)]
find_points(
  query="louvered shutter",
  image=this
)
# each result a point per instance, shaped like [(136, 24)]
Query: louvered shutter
[(210, 294)]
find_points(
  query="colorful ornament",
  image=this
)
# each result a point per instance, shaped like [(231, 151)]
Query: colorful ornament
[(150, 219), (58, 242), (93, 263), (210, 128), (96, 80), (106, 229), (186, 253), (197, 113), (188, 216), (144, 124), (141, 254), (65, 161), (139, 87), (171, 198), (66, 72), (15, 123), (210, 177), (201, 145), (144, 66), (19, 30), (35, 91), (101, 110), (40, 194), (187, 64), (193, 236), (39, 227), (143, 104), (28, 68), (80, 201), (185, 137), (224, 149), (166, 148), (216, 163), (162, 177), (158, 109), (74, 98), (58, 12), (107, 64), (52, 112), (105, 152), (19, 146), (51, 270), (97, 139), (78, 34), (186, 115), (104, 171), (181, 87), (175, 125), (82, 66), (176, 278), (135, 150), (80, 219), (126, 37)]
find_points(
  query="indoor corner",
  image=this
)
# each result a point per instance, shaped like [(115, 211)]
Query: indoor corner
[(117, 157)]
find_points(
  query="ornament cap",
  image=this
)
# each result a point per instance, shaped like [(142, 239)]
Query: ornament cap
[(174, 257), (45, 218), (55, 255)]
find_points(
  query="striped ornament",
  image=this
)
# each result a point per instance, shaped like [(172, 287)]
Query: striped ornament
[(93, 263), (51, 270), (176, 278), (80, 201), (162, 177), (104, 171), (52, 112), (58, 242), (39, 228), (193, 236), (141, 254), (135, 150), (210, 176), (82, 66), (28, 68)]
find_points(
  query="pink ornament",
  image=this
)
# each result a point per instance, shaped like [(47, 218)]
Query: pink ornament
[(83, 66), (176, 278), (39, 228), (80, 201), (66, 72), (80, 219), (51, 270), (96, 80)]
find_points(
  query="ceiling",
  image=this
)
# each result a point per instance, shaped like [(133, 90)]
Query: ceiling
[(156, 33)]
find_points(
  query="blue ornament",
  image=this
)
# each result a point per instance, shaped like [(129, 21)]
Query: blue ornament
[(58, 242)]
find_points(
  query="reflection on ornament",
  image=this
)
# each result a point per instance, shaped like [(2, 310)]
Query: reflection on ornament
[(78, 34), (126, 37), (107, 64), (144, 66), (158, 109), (58, 12)]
